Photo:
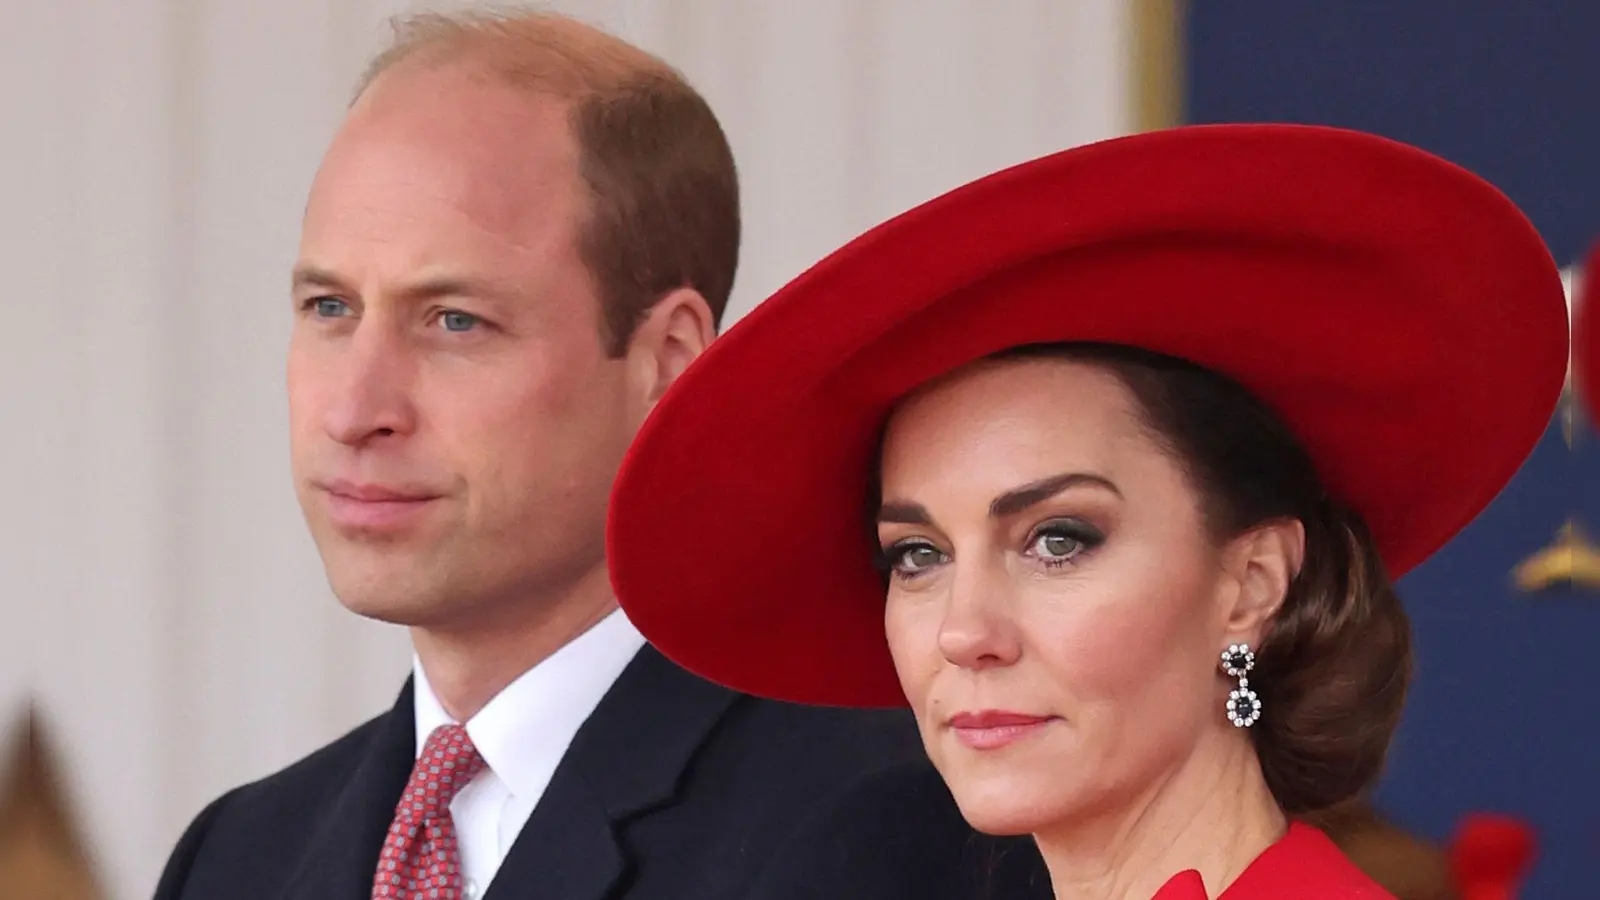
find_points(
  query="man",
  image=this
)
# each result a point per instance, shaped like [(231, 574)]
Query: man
[(522, 233)]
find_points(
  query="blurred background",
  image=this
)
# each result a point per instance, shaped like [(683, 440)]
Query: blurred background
[(168, 633)]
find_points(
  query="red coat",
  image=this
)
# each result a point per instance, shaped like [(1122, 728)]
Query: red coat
[(1303, 865)]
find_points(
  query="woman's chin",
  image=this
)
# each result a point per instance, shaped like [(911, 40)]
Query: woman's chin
[(1004, 804)]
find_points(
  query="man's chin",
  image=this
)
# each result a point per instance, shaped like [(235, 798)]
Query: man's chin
[(389, 610), (404, 599)]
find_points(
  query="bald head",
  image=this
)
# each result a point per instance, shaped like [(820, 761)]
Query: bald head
[(661, 210), (545, 51)]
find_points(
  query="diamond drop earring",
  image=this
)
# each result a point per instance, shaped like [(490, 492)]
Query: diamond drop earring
[(1244, 707)]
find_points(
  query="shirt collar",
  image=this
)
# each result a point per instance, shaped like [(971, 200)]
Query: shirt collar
[(523, 732)]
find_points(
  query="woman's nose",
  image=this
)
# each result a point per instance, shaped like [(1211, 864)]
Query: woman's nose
[(977, 631)]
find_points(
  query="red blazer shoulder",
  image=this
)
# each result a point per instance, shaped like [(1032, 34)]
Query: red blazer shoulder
[(1304, 865)]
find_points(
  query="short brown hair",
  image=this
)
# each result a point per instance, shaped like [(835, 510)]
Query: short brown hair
[(1335, 662), (664, 193)]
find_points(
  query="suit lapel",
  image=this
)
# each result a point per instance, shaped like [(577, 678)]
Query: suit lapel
[(627, 759), (344, 854), (567, 849)]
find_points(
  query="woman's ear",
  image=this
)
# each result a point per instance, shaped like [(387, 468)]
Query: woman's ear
[(1262, 563)]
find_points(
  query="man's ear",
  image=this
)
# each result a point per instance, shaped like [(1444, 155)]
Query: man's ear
[(672, 335), (1262, 563)]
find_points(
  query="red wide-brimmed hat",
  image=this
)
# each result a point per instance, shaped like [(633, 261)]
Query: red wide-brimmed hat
[(1586, 336), (1398, 312)]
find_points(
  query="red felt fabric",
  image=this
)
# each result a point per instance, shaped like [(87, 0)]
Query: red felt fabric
[(1400, 313)]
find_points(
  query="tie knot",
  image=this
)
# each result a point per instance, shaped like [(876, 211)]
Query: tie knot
[(448, 761)]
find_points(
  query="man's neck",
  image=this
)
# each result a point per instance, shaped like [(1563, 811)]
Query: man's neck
[(1215, 815), (468, 665)]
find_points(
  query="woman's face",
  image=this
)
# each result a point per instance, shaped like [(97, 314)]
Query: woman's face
[(1056, 606)]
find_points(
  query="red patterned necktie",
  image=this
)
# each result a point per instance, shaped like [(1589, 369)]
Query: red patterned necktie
[(420, 859)]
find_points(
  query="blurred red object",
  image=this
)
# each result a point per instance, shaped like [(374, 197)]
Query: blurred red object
[(1586, 335), (1490, 856)]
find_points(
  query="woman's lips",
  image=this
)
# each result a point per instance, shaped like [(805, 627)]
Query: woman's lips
[(993, 729)]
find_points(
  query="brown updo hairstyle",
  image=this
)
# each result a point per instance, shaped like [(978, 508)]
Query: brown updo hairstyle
[(1334, 663)]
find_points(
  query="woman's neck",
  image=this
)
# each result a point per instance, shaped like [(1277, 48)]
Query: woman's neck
[(1214, 814)]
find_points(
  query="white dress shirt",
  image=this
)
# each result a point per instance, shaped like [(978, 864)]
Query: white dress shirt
[(522, 734)]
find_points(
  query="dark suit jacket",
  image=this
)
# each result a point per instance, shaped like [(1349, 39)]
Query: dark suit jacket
[(674, 789), (898, 834)]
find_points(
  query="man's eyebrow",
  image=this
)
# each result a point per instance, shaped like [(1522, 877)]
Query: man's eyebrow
[(430, 288), (306, 275)]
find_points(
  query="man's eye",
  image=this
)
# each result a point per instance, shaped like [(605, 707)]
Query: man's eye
[(330, 307), (458, 321)]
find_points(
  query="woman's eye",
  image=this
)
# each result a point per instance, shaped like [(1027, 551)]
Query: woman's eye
[(1057, 546), (913, 559), (1062, 542), (458, 321)]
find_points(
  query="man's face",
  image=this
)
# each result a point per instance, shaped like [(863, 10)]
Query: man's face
[(455, 421)]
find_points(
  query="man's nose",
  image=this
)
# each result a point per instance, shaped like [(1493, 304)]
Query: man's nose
[(371, 389)]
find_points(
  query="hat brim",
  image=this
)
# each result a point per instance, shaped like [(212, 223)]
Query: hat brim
[(1399, 313)]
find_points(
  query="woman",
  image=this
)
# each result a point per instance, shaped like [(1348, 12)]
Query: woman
[(1121, 450)]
